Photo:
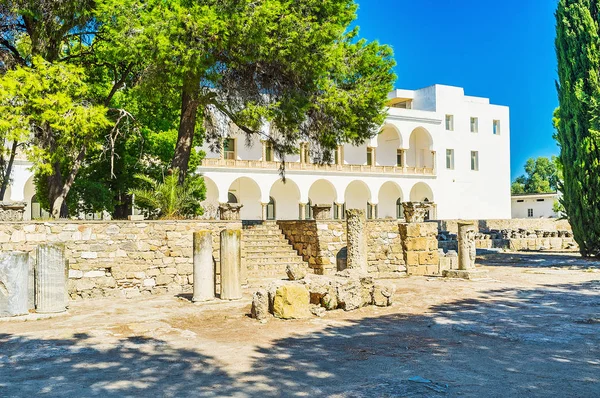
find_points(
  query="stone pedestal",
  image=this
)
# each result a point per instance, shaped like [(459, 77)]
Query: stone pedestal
[(230, 211), (12, 211), (466, 246), (50, 279), (204, 270), (420, 248), (467, 253), (356, 233), (231, 264), (14, 284), (321, 212)]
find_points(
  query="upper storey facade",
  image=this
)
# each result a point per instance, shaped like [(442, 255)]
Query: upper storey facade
[(454, 147)]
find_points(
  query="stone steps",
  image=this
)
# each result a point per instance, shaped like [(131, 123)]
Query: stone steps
[(267, 253)]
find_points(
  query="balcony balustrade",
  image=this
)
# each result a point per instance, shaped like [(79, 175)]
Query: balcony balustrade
[(347, 168)]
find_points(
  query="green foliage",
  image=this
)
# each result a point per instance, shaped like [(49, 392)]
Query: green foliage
[(577, 122), (49, 103), (542, 175), (169, 198)]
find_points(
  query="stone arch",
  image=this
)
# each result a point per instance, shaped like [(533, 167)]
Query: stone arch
[(419, 150), (389, 143), (421, 192), (389, 194), (248, 194), (357, 196), (286, 196)]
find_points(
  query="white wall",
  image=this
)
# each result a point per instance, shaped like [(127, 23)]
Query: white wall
[(540, 209)]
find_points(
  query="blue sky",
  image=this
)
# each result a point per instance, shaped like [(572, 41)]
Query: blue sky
[(501, 50)]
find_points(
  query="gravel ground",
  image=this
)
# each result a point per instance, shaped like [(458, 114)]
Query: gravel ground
[(531, 329)]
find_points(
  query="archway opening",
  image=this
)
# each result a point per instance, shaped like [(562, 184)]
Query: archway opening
[(285, 197), (422, 192), (390, 195), (389, 144), (322, 192), (358, 196), (247, 193), (419, 149), (211, 203)]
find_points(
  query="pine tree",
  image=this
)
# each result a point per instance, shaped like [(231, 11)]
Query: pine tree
[(577, 122)]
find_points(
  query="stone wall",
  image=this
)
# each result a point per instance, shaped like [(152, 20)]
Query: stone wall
[(119, 258), (320, 243), (528, 224)]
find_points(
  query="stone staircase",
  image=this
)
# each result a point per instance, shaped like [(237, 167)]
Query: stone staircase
[(266, 252)]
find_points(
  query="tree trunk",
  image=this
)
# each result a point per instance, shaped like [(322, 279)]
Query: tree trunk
[(8, 170), (58, 202), (185, 140)]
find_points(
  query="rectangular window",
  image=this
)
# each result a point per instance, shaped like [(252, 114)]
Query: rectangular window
[(229, 148), (529, 212), (540, 200), (369, 156), (399, 160), (520, 201), (474, 125), (268, 152), (474, 160), (496, 127), (450, 159), (450, 122)]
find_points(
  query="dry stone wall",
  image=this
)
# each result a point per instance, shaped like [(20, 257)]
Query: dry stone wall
[(119, 258), (320, 243)]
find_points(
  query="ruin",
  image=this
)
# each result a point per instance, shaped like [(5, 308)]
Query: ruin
[(204, 269)]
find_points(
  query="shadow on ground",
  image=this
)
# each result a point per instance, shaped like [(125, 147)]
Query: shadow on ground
[(509, 342), (538, 260)]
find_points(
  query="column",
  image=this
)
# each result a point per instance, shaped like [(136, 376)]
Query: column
[(434, 161), (356, 239), (204, 270), (222, 154), (338, 210), (264, 150), (50, 281), (14, 284), (302, 153), (466, 246), (264, 211), (302, 210), (231, 264)]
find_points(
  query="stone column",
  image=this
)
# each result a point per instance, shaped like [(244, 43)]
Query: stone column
[(433, 162), (338, 208), (466, 246), (264, 211), (231, 264), (302, 210), (50, 275), (264, 150), (204, 270), (14, 284), (356, 239)]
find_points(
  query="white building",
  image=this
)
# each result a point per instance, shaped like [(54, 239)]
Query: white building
[(437, 145), (536, 205)]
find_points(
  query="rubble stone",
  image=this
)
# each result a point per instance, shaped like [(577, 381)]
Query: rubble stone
[(260, 304)]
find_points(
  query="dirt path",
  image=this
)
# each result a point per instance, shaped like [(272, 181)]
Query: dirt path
[(532, 329)]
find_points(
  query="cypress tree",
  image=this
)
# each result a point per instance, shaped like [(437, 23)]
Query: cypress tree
[(577, 119)]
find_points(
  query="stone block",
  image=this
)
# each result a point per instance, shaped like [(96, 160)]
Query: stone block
[(292, 302), (429, 258), (419, 244), (260, 304), (296, 272), (163, 279), (383, 293), (466, 274)]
